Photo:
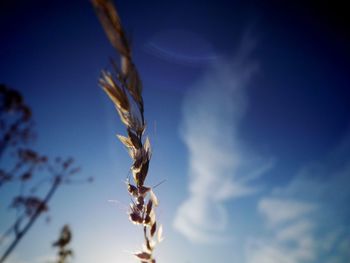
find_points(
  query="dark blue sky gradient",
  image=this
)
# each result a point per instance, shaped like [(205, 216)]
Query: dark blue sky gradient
[(298, 101)]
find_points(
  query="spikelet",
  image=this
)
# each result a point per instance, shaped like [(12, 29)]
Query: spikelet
[(124, 88)]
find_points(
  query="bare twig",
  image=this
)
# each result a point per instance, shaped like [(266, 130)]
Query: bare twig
[(40, 209), (15, 119), (34, 206)]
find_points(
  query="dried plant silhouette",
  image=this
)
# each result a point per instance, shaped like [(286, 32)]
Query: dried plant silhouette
[(124, 88), (16, 124), (62, 243), (34, 172)]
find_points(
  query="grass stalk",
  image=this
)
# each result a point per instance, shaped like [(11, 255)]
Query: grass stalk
[(124, 87)]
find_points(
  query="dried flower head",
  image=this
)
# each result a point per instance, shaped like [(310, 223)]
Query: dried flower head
[(62, 244), (124, 88)]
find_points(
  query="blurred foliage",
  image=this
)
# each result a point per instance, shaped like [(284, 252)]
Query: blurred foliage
[(38, 176), (62, 244)]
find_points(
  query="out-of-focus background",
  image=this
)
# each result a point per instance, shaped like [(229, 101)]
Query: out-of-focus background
[(247, 105)]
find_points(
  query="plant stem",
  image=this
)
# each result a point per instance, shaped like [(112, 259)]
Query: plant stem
[(32, 219)]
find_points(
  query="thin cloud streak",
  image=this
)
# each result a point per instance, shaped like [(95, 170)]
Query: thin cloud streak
[(277, 210), (211, 114)]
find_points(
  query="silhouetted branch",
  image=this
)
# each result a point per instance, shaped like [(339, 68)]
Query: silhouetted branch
[(34, 206), (15, 119), (15, 133), (38, 211)]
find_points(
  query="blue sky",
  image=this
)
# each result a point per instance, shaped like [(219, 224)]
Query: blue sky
[(248, 114)]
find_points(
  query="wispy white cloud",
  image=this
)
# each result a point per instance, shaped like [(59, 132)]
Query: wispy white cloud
[(295, 231), (291, 238), (277, 210), (272, 251), (307, 219), (211, 115)]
